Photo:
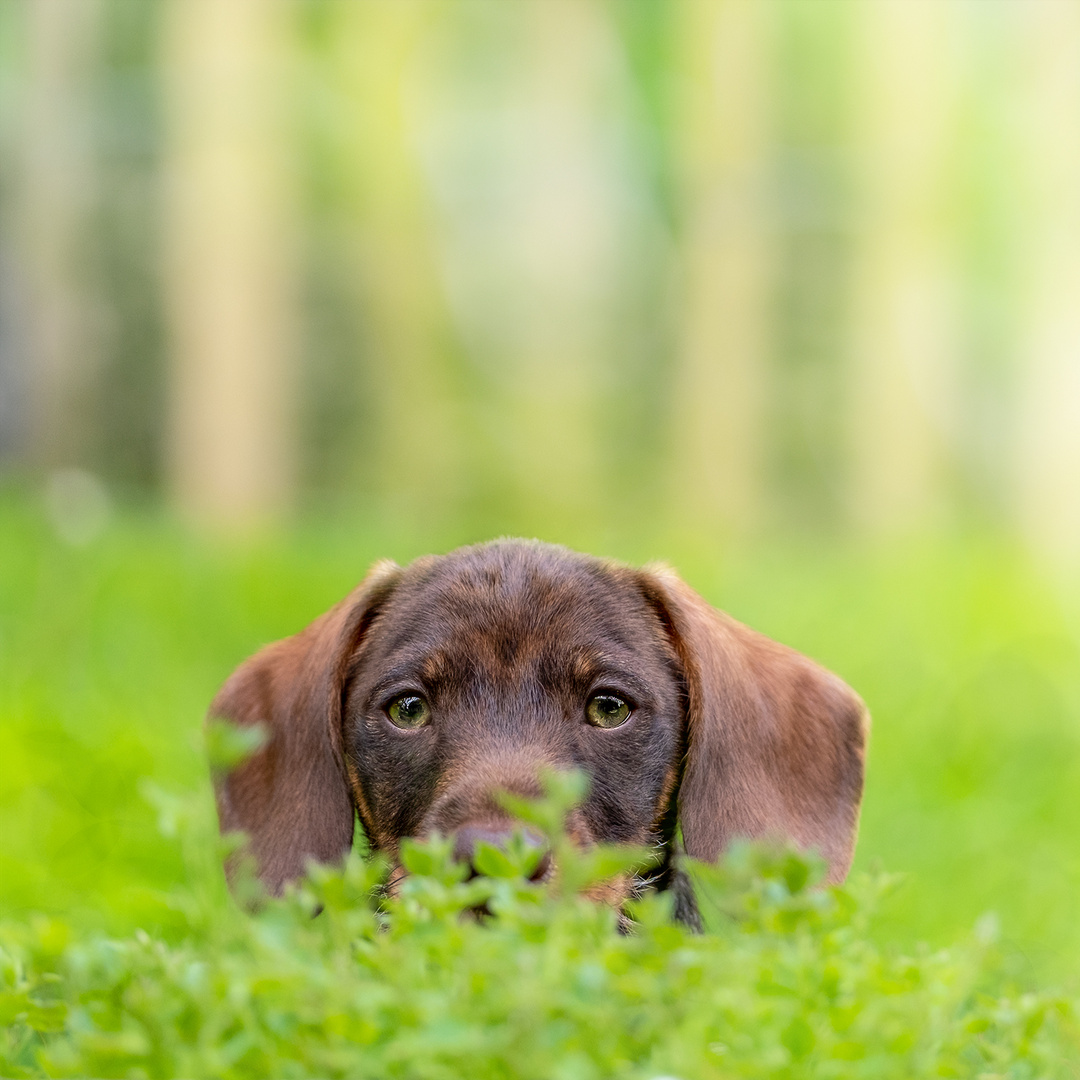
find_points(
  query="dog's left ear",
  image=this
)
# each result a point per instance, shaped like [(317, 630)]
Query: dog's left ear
[(776, 744), (292, 797)]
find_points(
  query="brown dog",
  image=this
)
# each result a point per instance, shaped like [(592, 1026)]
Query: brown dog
[(428, 689)]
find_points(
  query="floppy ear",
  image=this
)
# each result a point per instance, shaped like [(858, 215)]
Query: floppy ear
[(292, 797), (776, 744)]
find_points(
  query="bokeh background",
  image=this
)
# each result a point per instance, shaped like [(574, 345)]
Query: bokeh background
[(785, 292)]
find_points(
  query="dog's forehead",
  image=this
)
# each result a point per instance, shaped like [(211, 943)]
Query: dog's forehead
[(517, 595)]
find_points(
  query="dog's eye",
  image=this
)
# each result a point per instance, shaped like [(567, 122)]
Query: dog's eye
[(408, 711), (607, 711)]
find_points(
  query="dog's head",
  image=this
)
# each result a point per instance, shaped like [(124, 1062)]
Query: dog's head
[(430, 689)]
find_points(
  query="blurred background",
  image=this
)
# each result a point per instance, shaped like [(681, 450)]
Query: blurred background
[(786, 292), (741, 266)]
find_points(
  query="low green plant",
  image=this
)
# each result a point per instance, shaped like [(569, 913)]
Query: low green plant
[(110, 652), (339, 978)]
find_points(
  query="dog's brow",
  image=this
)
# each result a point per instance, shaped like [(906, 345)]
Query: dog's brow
[(620, 678), (436, 667), (588, 668), (429, 669)]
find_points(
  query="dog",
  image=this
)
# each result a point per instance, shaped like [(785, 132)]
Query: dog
[(428, 690)]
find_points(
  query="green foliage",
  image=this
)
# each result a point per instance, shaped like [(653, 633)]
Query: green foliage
[(229, 744), (110, 653), (339, 979)]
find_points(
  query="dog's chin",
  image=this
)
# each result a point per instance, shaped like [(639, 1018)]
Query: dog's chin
[(392, 886), (613, 893), (398, 873)]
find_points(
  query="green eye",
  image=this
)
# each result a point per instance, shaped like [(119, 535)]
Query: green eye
[(408, 711), (607, 711)]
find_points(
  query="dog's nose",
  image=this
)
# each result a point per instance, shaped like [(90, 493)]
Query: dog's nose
[(466, 839)]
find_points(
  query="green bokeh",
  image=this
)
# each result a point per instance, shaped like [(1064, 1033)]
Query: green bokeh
[(111, 652)]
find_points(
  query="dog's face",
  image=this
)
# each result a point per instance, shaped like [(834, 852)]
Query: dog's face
[(430, 689), (487, 665)]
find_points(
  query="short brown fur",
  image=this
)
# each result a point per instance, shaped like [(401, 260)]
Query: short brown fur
[(731, 734)]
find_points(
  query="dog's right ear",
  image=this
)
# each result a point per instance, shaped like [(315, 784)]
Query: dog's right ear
[(776, 744), (292, 797)]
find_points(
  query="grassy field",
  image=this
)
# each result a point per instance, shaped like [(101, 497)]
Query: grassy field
[(110, 652)]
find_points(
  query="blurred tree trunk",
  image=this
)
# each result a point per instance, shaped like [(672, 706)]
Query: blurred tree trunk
[(904, 346), (228, 267), (1049, 473), (723, 145), (529, 159), (565, 261), (413, 439), (56, 193), (557, 264)]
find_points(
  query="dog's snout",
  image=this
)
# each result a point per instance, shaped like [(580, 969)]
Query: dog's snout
[(469, 837)]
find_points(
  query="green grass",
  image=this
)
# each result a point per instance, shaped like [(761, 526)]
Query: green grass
[(109, 654), (786, 984)]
